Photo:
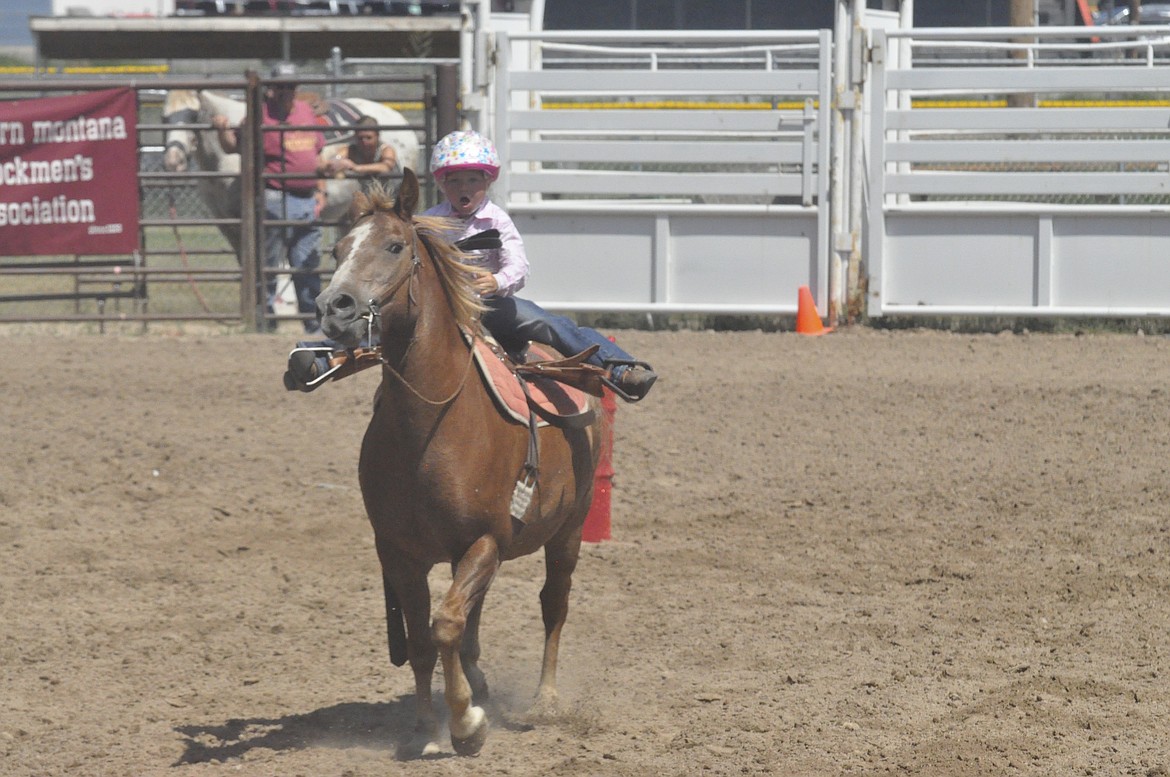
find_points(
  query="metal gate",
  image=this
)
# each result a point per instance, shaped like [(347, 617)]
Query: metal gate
[(989, 171), (183, 270), (667, 172), (1017, 172)]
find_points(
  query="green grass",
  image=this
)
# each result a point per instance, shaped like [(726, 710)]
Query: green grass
[(188, 251), (162, 249)]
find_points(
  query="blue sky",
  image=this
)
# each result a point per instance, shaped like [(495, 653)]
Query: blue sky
[(14, 20)]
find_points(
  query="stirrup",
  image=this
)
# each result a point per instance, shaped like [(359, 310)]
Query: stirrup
[(608, 381), (319, 350)]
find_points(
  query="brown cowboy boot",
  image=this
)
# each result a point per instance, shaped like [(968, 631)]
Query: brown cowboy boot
[(636, 381)]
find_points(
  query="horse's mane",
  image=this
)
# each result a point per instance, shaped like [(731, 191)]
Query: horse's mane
[(178, 99), (436, 233), (315, 100)]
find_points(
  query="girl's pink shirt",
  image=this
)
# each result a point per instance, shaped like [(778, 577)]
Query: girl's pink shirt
[(508, 264)]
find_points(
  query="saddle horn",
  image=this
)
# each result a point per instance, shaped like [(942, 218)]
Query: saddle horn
[(480, 241)]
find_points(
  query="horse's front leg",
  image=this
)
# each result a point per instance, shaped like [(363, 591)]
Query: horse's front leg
[(469, 655), (408, 588), (473, 575)]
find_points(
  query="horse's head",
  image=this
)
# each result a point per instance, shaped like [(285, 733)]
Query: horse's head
[(180, 107), (183, 106), (380, 262)]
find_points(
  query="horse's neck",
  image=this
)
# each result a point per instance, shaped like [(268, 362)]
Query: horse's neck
[(213, 103), (212, 156), (211, 153), (429, 349)]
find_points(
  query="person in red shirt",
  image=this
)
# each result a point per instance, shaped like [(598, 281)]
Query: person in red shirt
[(289, 154)]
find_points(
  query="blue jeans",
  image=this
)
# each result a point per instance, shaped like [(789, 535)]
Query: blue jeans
[(296, 244), (514, 321)]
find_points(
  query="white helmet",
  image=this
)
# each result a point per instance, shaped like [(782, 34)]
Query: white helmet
[(465, 150)]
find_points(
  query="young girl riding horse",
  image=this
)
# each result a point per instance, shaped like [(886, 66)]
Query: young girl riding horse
[(464, 164)]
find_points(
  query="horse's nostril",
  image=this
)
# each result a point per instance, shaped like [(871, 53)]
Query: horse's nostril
[(341, 306)]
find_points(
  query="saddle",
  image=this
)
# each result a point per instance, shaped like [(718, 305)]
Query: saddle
[(536, 383), (337, 117)]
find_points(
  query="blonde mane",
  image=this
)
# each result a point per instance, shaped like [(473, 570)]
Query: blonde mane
[(455, 274), (180, 99)]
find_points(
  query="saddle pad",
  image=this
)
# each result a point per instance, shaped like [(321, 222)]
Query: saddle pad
[(555, 397), (340, 117)]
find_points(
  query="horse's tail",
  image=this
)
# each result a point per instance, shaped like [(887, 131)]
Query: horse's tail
[(395, 625)]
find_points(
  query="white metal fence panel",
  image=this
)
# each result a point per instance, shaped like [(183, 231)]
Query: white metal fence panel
[(1056, 206), (667, 172)]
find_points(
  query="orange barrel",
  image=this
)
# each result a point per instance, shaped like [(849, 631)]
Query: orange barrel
[(597, 521)]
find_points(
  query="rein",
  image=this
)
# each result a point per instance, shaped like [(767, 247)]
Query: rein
[(374, 313)]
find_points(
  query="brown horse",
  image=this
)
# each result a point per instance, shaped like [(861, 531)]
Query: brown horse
[(440, 464)]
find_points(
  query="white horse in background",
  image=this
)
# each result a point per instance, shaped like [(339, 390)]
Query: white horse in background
[(222, 195)]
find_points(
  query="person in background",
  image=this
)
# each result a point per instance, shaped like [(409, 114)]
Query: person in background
[(292, 152), (366, 157)]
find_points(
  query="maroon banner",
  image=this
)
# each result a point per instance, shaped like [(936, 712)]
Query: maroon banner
[(68, 175)]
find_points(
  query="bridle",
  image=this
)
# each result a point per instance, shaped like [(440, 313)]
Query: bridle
[(373, 314), (181, 116), (375, 304)]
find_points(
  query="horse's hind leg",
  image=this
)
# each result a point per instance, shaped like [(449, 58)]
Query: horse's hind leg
[(473, 575), (560, 560)]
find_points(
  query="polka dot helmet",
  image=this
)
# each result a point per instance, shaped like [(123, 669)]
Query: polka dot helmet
[(464, 150)]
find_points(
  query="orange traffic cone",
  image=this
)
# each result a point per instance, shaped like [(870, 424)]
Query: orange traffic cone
[(808, 321)]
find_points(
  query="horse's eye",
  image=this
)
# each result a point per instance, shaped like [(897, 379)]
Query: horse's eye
[(396, 248)]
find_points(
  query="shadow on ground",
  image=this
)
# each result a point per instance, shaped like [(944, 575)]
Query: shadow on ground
[(377, 726), (381, 725)]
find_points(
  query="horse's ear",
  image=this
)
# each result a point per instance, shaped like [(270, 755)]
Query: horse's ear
[(407, 200)]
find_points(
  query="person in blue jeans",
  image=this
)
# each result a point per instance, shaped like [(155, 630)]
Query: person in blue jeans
[(288, 199), (464, 165)]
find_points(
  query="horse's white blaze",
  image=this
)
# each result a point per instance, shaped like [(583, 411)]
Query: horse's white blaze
[(360, 234), (179, 141), (177, 151)]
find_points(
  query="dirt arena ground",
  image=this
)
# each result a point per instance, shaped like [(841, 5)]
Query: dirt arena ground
[(869, 553)]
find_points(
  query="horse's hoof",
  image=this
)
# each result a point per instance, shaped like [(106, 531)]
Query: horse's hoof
[(471, 744), (546, 708), (422, 743)]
